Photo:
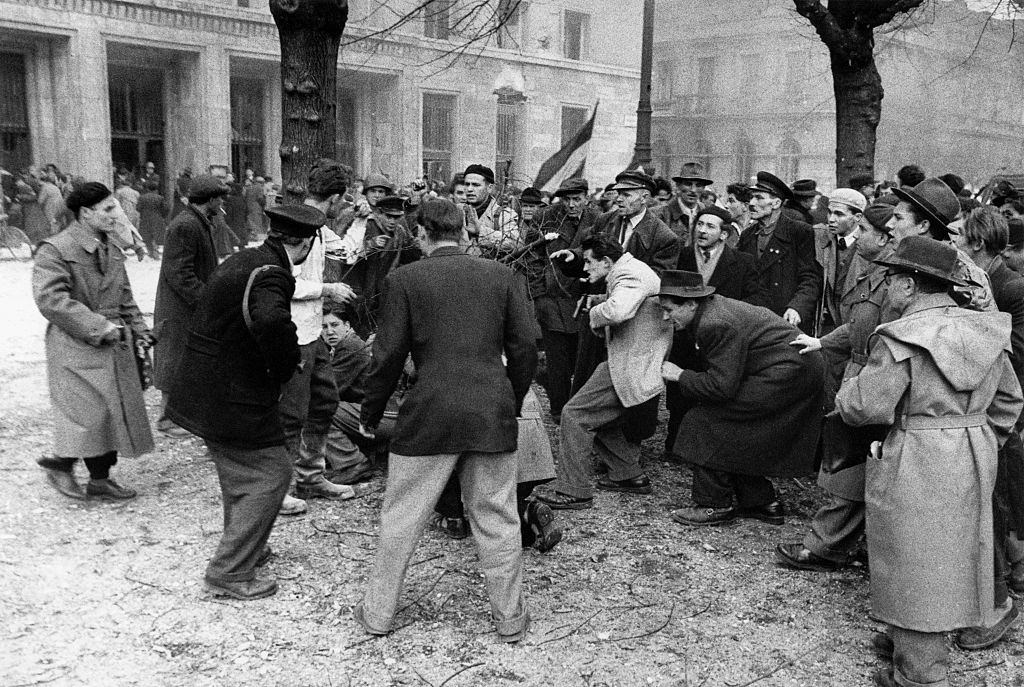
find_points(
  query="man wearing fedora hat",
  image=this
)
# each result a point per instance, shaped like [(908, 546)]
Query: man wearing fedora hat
[(242, 347), (755, 402), (555, 295), (941, 377), (837, 527), (680, 212), (805, 195), (928, 209), (788, 275)]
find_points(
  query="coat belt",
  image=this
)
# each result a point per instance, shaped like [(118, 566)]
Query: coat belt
[(943, 422)]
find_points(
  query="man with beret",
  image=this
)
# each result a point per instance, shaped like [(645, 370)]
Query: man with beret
[(241, 348), (493, 229), (755, 403), (680, 212), (732, 273), (789, 278), (838, 526), (94, 332), (309, 399), (637, 341), (189, 258), (555, 295), (940, 378), (833, 252)]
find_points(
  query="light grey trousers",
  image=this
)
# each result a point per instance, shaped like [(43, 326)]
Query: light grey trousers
[(489, 492)]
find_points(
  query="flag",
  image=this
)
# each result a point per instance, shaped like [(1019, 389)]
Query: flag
[(570, 161)]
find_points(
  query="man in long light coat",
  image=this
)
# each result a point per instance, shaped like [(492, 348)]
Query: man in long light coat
[(638, 341), (81, 287), (941, 376)]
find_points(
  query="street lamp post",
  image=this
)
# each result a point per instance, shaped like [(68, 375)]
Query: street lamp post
[(642, 150)]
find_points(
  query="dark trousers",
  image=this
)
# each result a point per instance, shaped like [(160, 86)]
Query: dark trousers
[(560, 352), (1004, 496), (677, 407), (590, 352), (307, 405), (716, 489), (253, 483), (98, 466)]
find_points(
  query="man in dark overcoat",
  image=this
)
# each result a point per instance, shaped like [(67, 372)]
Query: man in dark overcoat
[(755, 402), (241, 348), (189, 258), (788, 274), (732, 273), (80, 286), (456, 315), (681, 212)]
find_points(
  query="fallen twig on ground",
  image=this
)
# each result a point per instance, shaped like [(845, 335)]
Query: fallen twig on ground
[(656, 630), (459, 672), (777, 668), (331, 530), (426, 560), (573, 630), (424, 594), (147, 584), (990, 664)]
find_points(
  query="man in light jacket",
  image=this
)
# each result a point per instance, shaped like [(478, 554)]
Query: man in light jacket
[(638, 341)]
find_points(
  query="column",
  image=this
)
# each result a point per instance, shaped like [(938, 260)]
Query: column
[(215, 90), (272, 123), (80, 76)]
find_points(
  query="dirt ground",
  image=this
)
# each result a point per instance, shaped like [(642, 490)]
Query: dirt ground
[(97, 594)]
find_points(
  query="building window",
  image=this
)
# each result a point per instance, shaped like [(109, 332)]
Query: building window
[(750, 69), (706, 70), (664, 78), (505, 135), (789, 160), (573, 119), (576, 27), (796, 75), (438, 136), (345, 131), (744, 159), (15, 151), (136, 116), (437, 16), (509, 19), (246, 126)]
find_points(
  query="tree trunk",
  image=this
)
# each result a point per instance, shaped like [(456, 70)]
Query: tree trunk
[(310, 33), (858, 92)]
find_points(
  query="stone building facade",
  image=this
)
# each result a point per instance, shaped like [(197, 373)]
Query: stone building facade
[(746, 86), (88, 84)]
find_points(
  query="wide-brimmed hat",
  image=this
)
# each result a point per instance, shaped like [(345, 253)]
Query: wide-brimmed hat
[(769, 183), (925, 255), (683, 284), (570, 186), (935, 201), (631, 179), (805, 188), (693, 171)]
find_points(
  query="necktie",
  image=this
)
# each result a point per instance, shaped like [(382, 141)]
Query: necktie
[(623, 225), (705, 253)]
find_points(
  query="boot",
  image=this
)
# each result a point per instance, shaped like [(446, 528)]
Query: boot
[(109, 489), (292, 506)]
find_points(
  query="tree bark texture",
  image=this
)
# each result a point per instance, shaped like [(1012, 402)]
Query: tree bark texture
[(310, 33), (847, 30)]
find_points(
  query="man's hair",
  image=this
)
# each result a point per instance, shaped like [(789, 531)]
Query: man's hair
[(342, 312), (928, 284), (987, 225), (441, 219), (662, 184), (457, 180), (603, 247), (910, 175), (741, 191), (328, 177)]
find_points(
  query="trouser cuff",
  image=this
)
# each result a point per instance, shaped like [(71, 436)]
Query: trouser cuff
[(511, 626), (907, 682)]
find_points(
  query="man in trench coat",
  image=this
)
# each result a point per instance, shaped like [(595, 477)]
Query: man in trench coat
[(755, 403), (81, 287), (941, 376)]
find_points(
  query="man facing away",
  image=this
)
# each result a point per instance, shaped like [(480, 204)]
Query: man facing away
[(456, 315)]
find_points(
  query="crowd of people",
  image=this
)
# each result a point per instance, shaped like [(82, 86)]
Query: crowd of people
[(873, 335)]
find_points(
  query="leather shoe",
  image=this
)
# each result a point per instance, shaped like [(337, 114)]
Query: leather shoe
[(883, 678), (883, 646), (556, 500), (636, 485), (292, 506), (324, 490), (109, 489), (800, 557), (64, 482), (455, 528), (974, 638), (541, 520), (772, 513), (698, 515), (256, 588), (360, 616)]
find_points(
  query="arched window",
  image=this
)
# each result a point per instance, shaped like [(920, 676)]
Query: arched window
[(789, 160), (744, 159)]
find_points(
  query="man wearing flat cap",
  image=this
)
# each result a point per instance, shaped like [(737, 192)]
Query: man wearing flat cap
[(940, 376), (189, 258), (680, 213), (93, 335), (833, 249), (789, 277), (555, 294), (755, 403), (805, 196), (240, 349), (493, 229)]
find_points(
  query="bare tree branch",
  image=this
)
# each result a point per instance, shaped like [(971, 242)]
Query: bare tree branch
[(822, 20), (888, 9)]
